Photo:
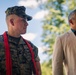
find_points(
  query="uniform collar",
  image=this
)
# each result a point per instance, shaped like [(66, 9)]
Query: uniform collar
[(15, 40)]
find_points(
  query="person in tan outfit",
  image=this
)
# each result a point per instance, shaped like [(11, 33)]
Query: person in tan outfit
[(64, 53)]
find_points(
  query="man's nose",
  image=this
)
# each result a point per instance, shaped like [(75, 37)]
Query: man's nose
[(27, 23)]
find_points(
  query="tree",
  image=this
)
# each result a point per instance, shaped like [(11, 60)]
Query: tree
[(55, 23)]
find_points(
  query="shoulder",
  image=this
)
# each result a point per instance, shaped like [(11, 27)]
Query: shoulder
[(35, 49), (62, 39), (64, 35), (32, 45)]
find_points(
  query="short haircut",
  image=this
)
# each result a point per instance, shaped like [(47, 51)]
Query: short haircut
[(72, 14)]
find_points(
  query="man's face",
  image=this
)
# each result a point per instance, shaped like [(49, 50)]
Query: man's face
[(20, 25)]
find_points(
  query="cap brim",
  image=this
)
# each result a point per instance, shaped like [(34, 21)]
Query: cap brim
[(28, 17)]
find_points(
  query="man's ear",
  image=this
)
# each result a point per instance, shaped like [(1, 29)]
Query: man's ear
[(12, 22), (70, 21)]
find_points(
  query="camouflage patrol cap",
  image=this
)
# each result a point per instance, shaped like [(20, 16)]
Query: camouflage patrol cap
[(19, 11)]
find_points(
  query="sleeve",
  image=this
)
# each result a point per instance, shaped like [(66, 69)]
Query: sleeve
[(57, 60), (36, 54)]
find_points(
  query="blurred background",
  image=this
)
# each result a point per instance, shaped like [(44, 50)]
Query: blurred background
[(50, 18)]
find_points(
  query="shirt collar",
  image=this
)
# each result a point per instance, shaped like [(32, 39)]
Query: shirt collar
[(74, 31)]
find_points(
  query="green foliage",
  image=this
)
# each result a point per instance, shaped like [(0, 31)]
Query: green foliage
[(55, 23), (46, 69)]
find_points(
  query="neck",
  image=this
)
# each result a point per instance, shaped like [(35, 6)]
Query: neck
[(13, 34)]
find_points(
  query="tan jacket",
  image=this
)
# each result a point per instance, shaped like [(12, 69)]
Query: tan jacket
[(64, 52)]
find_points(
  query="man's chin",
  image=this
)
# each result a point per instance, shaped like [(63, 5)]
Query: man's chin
[(23, 33)]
